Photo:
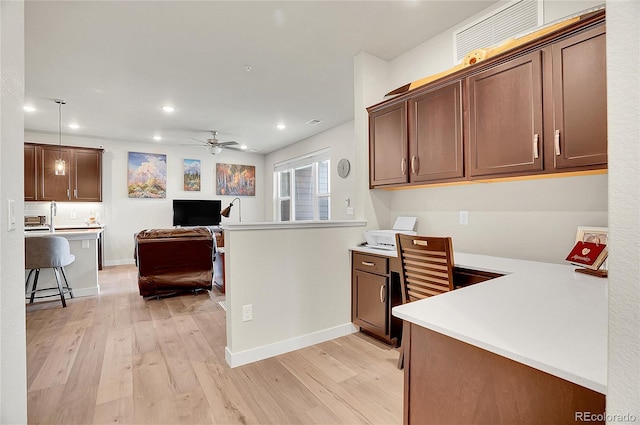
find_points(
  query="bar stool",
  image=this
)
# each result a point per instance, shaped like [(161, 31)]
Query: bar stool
[(47, 252)]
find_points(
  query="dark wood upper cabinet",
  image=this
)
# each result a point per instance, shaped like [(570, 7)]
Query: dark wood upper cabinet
[(82, 181), (579, 128), (388, 145), (505, 118), (87, 177), (30, 173), (435, 135), (538, 109), (52, 187)]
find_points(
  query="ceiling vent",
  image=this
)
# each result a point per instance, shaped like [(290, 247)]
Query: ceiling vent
[(512, 20)]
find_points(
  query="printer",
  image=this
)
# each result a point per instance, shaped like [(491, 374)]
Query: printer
[(386, 239)]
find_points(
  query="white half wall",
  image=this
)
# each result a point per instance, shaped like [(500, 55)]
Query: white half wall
[(297, 280)]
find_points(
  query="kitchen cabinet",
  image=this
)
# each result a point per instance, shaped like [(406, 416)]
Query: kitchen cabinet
[(538, 109), (388, 145), (30, 173), (505, 118), (375, 290), (82, 181), (579, 84), (435, 135)]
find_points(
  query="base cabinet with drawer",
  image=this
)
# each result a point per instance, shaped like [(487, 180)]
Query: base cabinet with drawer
[(375, 291)]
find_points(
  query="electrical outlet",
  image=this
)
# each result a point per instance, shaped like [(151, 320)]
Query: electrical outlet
[(464, 218), (247, 312), (350, 211), (72, 214)]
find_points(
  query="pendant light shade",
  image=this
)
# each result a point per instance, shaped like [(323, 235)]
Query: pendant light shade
[(60, 166)]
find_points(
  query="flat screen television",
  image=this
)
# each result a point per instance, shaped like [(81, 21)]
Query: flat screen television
[(196, 212)]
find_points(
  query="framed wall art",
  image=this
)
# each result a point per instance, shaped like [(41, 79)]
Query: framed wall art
[(235, 180), (191, 175), (147, 175)]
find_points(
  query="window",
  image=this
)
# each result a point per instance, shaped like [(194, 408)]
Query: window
[(302, 188)]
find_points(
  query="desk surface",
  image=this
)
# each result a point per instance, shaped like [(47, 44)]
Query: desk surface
[(540, 314)]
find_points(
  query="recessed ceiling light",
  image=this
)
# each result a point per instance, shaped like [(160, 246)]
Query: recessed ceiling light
[(281, 126), (243, 147), (29, 108), (157, 138), (168, 109), (74, 126), (314, 122)]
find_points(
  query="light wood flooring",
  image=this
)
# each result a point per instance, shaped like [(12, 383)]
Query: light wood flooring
[(116, 358)]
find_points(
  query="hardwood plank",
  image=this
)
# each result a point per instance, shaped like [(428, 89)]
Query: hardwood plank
[(116, 358)]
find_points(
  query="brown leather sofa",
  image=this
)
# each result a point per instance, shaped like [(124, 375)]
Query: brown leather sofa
[(171, 261)]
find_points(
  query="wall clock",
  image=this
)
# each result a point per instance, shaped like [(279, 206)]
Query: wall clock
[(344, 166)]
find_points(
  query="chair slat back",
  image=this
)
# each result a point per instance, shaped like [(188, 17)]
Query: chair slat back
[(427, 266)]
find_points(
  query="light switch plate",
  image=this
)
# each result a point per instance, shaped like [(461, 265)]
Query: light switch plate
[(11, 215), (464, 218)]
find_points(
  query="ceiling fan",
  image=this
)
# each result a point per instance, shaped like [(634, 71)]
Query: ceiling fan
[(215, 146)]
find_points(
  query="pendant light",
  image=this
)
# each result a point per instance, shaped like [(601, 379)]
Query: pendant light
[(60, 166)]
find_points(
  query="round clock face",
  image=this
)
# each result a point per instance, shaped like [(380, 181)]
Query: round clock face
[(344, 167)]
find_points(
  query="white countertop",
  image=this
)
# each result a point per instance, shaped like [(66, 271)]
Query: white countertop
[(71, 234), (540, 314)]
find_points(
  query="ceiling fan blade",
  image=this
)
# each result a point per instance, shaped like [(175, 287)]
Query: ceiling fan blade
[(197, 140), (235, 149), (232, 142), (192, 144)]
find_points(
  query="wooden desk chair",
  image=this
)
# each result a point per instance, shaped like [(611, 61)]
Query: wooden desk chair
[(427, 270)]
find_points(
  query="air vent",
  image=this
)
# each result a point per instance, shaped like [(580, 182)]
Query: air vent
[(314, 122), (514, 19)]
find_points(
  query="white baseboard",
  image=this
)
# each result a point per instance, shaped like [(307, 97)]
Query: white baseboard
[(119, 262), (281, 347)]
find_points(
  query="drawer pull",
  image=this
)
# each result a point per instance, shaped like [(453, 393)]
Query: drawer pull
[(413, 164), (556, 142), (368, 263), (536, 154), (382, 293)]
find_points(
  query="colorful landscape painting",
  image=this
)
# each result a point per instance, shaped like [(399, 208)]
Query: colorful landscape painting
[(191, 173), (235, 180), (147, 175)]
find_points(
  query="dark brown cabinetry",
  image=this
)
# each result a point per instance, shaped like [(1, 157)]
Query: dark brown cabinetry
[(388, 145), (538, 109), (579, 126), (82, 181), (375, 291), (505, 118), (435, 135)]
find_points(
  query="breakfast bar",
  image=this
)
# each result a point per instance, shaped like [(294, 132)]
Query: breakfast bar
[(83, 272), (529, 346)]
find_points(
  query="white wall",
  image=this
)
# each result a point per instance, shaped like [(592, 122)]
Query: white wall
[(341, 141), (124, 216), (623, 62), (13, 369)]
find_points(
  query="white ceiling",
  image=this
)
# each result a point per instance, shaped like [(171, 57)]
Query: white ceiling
[(117, 63)]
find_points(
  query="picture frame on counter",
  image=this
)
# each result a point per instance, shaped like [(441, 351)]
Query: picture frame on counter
[(599, 235)]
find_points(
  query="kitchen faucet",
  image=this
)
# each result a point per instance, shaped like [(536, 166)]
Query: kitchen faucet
[(53, 211)]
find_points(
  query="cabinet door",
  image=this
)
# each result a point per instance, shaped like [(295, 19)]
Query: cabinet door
[(87, 176), (580, 100), (52, 187), (30, 173), (435, 135), (370, 302), (388, 145), (505, 118)]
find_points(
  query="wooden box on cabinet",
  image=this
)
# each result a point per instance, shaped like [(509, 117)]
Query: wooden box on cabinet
[(375, 291)]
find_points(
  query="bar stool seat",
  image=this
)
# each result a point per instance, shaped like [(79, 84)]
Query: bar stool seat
[(47, 252)]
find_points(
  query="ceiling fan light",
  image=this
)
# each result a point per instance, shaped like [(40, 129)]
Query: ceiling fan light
[(215, 150)]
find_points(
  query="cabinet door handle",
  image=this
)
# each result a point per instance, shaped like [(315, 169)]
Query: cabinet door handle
[(368, 263), (413, 164), (403, 166), (556, 142), (536, 154), (75, 193), (382, 293), (68, 194)]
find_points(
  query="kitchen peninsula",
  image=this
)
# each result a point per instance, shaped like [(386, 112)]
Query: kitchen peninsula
[(83, 272), (527, 347)]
